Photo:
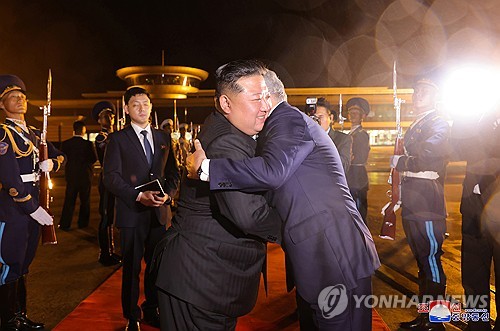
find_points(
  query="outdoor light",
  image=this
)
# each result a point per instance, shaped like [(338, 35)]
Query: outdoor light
[(471, 90)]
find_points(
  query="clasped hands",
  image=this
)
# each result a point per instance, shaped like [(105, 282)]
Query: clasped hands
[(153, 199)]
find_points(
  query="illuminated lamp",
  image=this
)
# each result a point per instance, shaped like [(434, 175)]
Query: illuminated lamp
[(164, 82), (471, 90)]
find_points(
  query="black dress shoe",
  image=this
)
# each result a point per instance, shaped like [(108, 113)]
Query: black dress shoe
[(108, 260), (27, 324), (413, 324), (133, 326), (151, 317)]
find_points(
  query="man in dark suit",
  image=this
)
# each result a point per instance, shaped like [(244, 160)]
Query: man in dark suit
[(331, 251), (214, 252), (343, 142), (357, 176), (81, 156), (475, 140), (134, 156), (423, 169)]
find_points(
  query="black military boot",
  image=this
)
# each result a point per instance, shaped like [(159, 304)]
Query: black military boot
[(106, 244), (411, 325), (426, 325), (25, 322), (8, 307)]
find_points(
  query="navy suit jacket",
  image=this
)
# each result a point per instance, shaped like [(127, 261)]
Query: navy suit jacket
[(126, 166), (324, 236)]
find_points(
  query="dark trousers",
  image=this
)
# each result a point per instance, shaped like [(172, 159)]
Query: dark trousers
[(176, 314), (361, 199), (138, 243), (76, 189), (353, 318), (479, 250), (19, 241), (426, 241), (107, 213)]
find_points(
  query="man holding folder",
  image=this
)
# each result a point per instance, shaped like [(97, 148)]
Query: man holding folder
[(137, 155)]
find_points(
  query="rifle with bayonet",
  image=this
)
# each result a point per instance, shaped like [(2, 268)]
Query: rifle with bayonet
[(48, 231), (388, 230)]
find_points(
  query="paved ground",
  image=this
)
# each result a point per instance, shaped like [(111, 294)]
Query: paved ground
[(65, 274)]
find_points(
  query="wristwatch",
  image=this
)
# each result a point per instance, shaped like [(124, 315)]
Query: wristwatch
[(199, 172)]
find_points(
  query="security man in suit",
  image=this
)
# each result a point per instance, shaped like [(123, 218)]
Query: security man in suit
[(81, 157), (342, 141), (330, 249), (475, 140), (135, 156), (423, 169), (20, 212), (357, 176), (104, 113)]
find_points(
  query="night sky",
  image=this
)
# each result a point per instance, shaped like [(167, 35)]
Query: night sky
[(315, 43)]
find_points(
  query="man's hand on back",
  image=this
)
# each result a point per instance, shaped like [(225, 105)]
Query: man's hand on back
[(193, 161)]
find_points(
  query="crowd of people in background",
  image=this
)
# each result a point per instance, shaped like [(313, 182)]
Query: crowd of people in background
[(262, 171)]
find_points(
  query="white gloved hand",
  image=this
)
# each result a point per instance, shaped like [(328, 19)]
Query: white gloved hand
[(394, 160), (46, 166), (41, 216)]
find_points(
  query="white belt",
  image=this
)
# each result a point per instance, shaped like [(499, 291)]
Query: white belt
[(421, 174), (29, 177)]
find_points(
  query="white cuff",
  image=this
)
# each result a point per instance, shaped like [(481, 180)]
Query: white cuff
[(476, 189), (205, 170)]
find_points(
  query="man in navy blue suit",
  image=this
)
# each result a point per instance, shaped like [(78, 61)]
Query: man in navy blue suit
[(134, 156), (329, 247)]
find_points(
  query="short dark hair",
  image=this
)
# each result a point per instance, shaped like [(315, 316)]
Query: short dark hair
[(322, 102), (134, 91), (78, 127), (228, 74)]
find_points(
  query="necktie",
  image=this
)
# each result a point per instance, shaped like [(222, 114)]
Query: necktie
[(147, 147)]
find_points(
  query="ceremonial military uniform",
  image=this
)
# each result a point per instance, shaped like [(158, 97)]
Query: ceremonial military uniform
[(423, 170), (357, 176), (107, 199), (19, 194)]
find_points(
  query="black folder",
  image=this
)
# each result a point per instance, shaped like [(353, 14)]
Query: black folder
[(153, 185)]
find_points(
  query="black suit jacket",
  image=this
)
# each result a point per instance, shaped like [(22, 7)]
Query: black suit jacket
[(126, 166), (80, 156), (343, 142), (324, 236), (214, 251)]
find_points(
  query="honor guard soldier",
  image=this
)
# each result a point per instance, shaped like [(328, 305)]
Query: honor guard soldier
[(357, 176), (104, 113), (422, 168), (20, 212)]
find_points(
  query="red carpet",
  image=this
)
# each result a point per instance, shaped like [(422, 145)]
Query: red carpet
[(102, 309)]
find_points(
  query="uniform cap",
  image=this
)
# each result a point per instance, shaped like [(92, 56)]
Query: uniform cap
[(165, 122), (360, 102), (100, 107), (9, 83)]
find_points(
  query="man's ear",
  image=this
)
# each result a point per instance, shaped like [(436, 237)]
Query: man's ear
[(225, 105), (125, 108)]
